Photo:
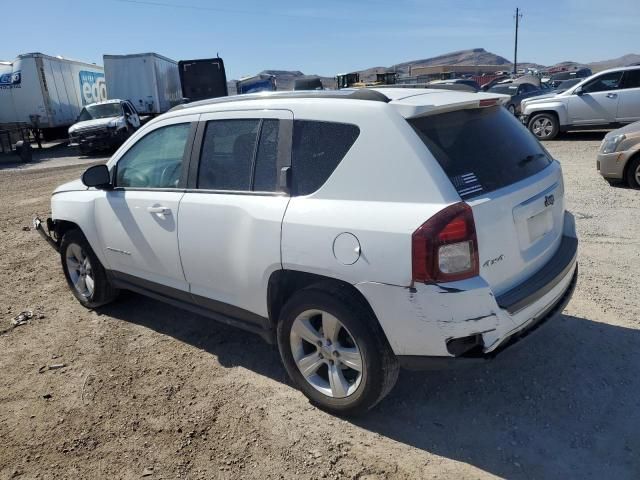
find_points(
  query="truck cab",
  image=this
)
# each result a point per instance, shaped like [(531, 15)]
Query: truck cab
[(104, 125)]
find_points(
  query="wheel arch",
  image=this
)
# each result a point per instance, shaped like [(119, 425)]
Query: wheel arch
[(548, 112), (627, 165), (284, 283), (63, 226)]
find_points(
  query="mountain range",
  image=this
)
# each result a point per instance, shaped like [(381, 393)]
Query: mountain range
[(476, 56)]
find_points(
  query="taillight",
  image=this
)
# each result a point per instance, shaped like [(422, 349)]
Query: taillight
[(445, 247)]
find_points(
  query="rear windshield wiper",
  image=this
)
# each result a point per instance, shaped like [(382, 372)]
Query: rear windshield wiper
[(530, 158)]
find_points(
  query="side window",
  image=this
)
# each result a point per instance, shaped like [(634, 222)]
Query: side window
[(609, 81), (265, 176), (631, 79), (155, 161), (227, 154), (318, 148)]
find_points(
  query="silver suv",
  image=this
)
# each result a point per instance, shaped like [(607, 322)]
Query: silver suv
[(604, 100)]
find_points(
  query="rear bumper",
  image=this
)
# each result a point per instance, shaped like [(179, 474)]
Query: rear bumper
[(462, 320), (416, 362)]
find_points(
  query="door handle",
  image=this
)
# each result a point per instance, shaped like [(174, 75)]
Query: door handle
[(612, 95), (161, 210)]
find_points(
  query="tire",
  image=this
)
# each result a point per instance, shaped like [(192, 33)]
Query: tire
[(633, 172), (76, 251), (352, 392), (85, 150), (544, 126), (512, 109)]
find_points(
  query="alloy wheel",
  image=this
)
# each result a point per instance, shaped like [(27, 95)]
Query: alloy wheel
[(326, 353), (80, 270), (542, 127)]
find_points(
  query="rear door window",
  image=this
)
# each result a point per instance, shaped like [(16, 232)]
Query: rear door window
[(240, 155), (481, 150), (318, 148), (631, 79), (227, 154)]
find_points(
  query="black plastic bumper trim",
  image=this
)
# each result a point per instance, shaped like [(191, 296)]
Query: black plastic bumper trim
[(542, 282)]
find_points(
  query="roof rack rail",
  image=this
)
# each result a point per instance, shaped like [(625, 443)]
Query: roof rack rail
[(349, 94)]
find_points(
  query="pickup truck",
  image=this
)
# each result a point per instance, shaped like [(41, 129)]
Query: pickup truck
[(607, 99), (104, 125)]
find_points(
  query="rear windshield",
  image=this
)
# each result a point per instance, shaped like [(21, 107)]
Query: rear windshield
[(481, 150), (507, 90)]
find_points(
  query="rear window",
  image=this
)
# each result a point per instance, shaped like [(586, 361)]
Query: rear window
[(506, 90), (318, 148), (481, 150)]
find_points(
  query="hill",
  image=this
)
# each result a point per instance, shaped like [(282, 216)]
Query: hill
[(475, 56)]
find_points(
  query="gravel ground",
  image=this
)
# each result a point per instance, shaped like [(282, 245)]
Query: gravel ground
[(54, 155), (151, 391)]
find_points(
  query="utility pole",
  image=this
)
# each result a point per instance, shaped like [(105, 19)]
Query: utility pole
[(515, 53)]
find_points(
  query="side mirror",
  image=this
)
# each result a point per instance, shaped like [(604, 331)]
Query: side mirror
[(579, 91), (97, 176)]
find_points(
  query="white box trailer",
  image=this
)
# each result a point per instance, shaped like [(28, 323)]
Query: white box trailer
[(48, 92), (148, 80)]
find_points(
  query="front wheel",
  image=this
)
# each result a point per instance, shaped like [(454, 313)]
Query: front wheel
[(512, 109), (335, 352), (85, 274), (633, 172), (544, 126)]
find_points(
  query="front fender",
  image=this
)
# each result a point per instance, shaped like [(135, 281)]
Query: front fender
[(559, 108), (79, 207)]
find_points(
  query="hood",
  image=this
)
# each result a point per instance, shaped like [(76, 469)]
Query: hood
[(544, 97), (633, 129), (72, 186), (87, 124)]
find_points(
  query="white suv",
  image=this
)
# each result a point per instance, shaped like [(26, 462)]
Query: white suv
[(360, 230), (604, 100)]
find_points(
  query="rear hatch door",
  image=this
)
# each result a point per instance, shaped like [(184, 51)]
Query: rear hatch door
[(511, 182)]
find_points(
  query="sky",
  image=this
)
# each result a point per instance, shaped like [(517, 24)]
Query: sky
[(322, 37)]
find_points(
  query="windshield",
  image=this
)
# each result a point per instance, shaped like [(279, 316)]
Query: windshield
[(566, 85), (103, 110), (481, 150), (504, 89)]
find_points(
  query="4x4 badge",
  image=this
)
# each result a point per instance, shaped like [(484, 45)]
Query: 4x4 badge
[(549, 200), (492, 261)]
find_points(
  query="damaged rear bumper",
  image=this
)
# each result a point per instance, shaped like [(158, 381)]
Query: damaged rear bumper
[(48, 234), (431, 326), (421, 362)]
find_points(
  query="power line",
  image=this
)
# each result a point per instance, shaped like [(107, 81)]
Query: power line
[(221, 10)]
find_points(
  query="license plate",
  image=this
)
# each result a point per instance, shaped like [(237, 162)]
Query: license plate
[(539, 225)]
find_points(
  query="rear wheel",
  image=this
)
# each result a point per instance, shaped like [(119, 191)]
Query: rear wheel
[(544, 126), (512, 109), (335, 352), (85, 274), (633, 172)]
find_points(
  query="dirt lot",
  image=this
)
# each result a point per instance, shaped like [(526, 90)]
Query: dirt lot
[(149, 390)]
